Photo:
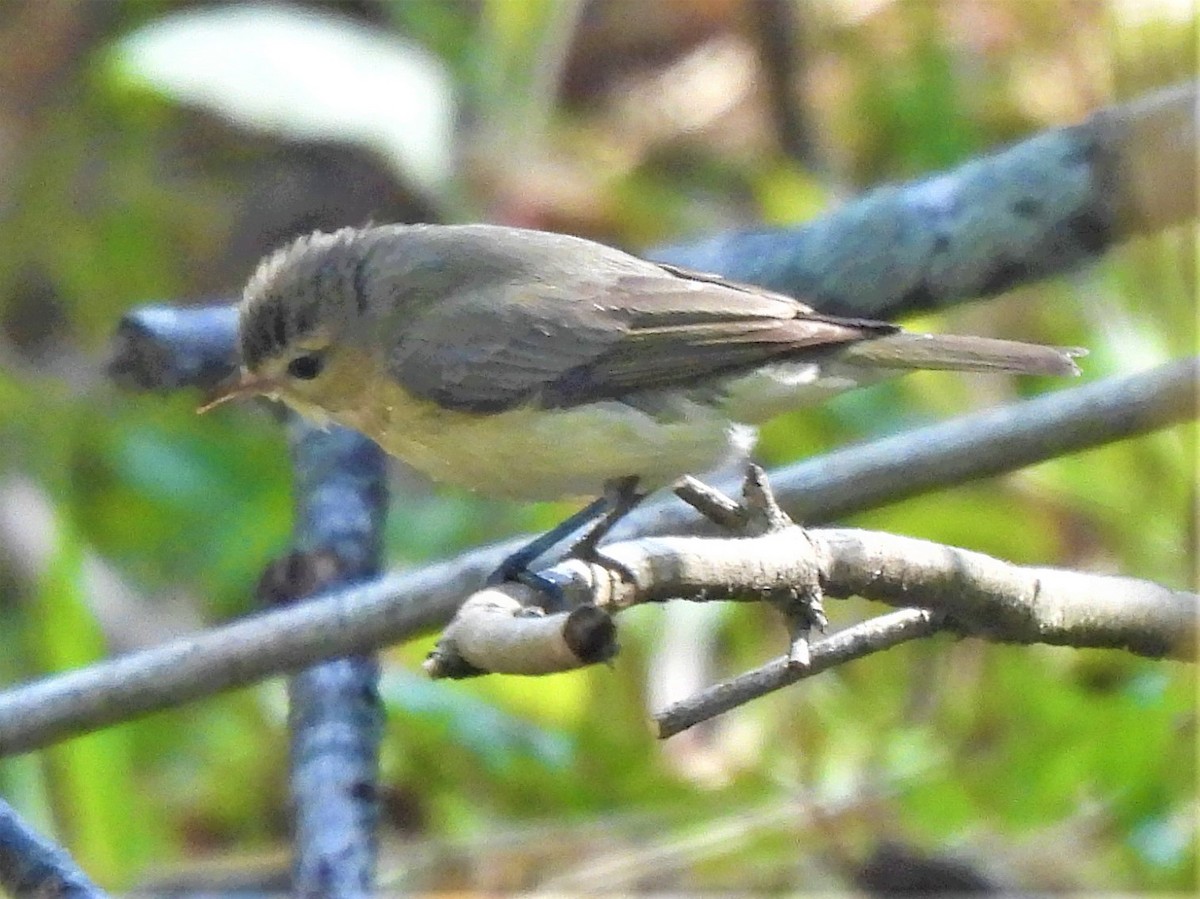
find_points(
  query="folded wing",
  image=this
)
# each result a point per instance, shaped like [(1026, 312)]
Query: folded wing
[(609, 331)]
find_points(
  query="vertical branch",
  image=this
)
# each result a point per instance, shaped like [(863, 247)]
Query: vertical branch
[(340, 500), (335, 718)]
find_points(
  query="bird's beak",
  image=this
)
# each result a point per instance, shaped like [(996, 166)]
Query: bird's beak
[(240, 386)]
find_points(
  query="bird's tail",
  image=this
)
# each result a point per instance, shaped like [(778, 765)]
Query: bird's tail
[(950, 352)]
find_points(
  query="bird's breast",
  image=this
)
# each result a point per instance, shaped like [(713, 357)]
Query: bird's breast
[(533, 454)]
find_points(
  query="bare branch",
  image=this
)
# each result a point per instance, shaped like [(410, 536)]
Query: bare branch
[(967, 592), (985, 597), (979, 595), (350, 620)]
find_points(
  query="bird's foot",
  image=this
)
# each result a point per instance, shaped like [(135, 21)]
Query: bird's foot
[(620, 498)]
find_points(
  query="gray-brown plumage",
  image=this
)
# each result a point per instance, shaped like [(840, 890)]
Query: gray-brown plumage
[(495, 357)]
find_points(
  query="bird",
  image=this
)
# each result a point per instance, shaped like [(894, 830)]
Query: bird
[(532, 365)]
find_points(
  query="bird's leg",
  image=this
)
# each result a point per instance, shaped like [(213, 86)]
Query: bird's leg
[(515, 567), (621, 496), (603, 513)]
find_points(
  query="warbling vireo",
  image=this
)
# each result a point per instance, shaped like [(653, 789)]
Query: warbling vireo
[(534, 366)]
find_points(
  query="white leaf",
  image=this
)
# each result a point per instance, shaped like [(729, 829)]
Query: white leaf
[(306, 76)]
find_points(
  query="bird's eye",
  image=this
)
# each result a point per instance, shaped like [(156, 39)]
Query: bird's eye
[(306, 367)]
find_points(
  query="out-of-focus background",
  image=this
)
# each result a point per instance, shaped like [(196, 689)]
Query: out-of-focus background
[(154, 150)]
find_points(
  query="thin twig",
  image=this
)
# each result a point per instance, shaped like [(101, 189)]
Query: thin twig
[(780, 45), (354, 620), (854, 642)]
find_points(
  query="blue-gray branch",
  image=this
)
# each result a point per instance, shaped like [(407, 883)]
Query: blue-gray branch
[(334, 713), (31, 865), (1041, 207)]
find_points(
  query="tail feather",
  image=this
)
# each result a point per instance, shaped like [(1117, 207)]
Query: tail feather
[(951, 352)]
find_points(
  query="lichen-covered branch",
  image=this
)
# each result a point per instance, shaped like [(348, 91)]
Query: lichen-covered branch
[(1043, 206), (335, 721), (158, 347), (334, 714)]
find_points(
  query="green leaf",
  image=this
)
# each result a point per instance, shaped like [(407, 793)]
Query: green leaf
[(92, 777)]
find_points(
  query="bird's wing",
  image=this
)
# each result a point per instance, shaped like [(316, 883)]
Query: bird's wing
[(602, 335)]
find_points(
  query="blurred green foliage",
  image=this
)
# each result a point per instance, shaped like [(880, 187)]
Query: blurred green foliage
[(1076, 769)]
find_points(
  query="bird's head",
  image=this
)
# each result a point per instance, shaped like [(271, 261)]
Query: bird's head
[(304, 326)]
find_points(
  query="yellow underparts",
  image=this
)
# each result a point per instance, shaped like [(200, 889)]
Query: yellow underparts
[(526, 453)]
